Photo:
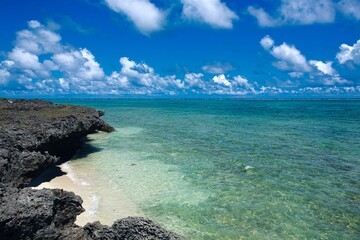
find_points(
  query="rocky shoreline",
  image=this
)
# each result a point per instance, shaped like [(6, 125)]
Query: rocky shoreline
[(35, 135)]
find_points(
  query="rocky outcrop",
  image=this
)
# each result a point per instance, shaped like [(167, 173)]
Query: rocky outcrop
[(35, 135), (29, 214)]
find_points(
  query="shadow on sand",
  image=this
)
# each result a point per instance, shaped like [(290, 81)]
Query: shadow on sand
[(52, 172)]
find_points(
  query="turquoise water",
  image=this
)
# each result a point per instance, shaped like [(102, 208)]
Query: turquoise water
[(233, 169)]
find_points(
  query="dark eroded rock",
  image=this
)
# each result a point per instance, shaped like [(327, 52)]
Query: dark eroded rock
[(28, 214), (35, 134)]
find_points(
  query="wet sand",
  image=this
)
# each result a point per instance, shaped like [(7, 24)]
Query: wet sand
[(113, 207)]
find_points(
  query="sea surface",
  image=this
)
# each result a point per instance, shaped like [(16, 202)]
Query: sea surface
[(228, 169)]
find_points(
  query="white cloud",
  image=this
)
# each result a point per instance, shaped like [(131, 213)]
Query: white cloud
[(212, 12), (296, 74), (334, 80), (64, 84), (308, 11), (242, 82), (217, 68), (141, 78), (221, 79), (289, 57), (194, 80), (38, 41), (350, 8), (24, 59), (267, 42), (325, 68), (144, 14), (263, 18), (78, 67), (34, 24), (79, 64), (4, 76), (326, 74), (298, 12), (349, 53)]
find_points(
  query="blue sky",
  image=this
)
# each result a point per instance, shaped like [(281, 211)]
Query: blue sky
[(180, 48)]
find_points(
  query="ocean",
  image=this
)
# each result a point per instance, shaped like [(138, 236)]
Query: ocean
[(227, 168)]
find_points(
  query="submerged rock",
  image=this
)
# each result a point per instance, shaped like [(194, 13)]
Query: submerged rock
[(34, 135)]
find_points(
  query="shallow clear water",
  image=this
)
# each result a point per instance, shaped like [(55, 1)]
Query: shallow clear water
[(231, 169)]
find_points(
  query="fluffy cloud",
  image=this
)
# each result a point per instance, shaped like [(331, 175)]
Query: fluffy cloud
[(24, 69), (144, 14), (24, 59), (38, 40), (289, 57), (325, 68), (242, 82), (350, 8), (349, 53), (217, 68), (263, 18), (4, 75), (34, 24), (78, 64), (195, 80), (327, 74), (221, 79), (212, 12), (298, 12), (41, 64), (267, 42), (139, 78)]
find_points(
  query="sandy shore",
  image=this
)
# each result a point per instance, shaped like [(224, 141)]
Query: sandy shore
[(106, 210)]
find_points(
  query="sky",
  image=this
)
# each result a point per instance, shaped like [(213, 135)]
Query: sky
[(180, 48)]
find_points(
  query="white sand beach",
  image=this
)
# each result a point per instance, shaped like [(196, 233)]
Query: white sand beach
[(113, 207)]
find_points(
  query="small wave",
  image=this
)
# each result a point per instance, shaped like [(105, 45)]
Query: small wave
[(67, 168), (94, 205)]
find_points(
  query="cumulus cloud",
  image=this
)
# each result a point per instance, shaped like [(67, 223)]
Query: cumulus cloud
[(292, 60), (221, 79), (34, 24), (349, 53), (40, 63), (217, 68), (267, 42), (263, 18), (38, 55), (140, 78), (212, 12), (194, 80), (144, 14), (350, 8), (298, 12), (24, 59), (38, 39), (327, 74), (78, 64), (325, 68), (289, 58), (4, 76), (242, 82)]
